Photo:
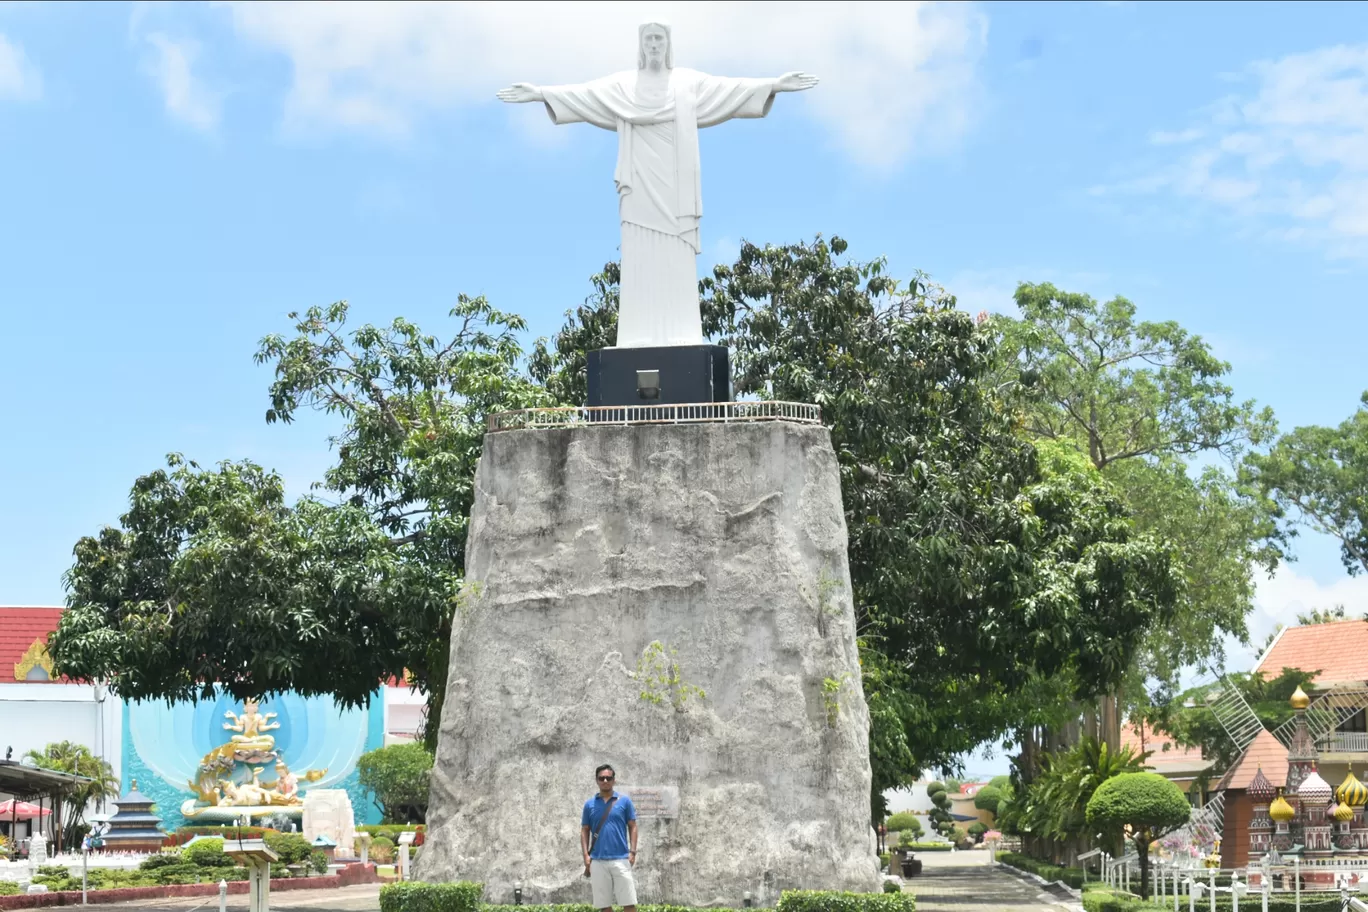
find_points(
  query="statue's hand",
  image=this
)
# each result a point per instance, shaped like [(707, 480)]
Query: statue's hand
[(519, 92), (795, 82)]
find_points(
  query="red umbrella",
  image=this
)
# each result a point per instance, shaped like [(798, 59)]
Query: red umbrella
[(22, 810)]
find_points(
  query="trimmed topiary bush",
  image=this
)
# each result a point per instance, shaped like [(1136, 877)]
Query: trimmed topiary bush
[(291, 847), (1146, 803), (163, 860), (381, 850), (318, 861), (988, 798), (902, 822), (414, 896), (207, 853)]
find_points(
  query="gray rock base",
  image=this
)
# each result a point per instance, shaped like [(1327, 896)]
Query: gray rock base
[(613, 573)]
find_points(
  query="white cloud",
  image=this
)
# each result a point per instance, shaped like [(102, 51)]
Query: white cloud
[(19, 78), (186, 97), (1289, 155), (1280, 598), (896, 78)]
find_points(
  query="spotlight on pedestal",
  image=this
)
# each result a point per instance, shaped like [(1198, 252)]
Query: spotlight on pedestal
[(746, 901), (648, 384), (517, 894)]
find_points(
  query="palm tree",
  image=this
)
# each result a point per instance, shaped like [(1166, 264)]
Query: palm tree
[(1057, 801), (68, 757)]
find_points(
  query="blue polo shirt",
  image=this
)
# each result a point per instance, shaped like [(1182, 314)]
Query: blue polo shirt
[(612, 839)]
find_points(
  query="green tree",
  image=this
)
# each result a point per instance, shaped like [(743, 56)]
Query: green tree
[(988, 798), (1318, 476), (979, 565), (1188, 718), (214, 582), (1140, 398), (101, 785), (398, 777), (1322, 616), (1055, 804), (1146, 805)]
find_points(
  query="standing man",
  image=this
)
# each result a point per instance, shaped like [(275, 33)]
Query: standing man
[(608, 839)]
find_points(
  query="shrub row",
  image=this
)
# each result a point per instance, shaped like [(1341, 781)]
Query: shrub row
[(926, 847), (413, 896), (832, 901), (1070, 876), (9, 888)]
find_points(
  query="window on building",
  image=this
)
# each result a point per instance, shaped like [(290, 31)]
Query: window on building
[(1358, 722)]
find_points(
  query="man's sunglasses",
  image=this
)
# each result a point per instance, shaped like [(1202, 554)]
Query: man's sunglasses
[(605, 778)]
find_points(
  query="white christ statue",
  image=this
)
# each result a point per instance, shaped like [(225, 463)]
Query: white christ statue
[(657, 111)]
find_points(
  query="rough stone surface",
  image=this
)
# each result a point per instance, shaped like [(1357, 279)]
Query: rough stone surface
[(726, 545), (328, 812)]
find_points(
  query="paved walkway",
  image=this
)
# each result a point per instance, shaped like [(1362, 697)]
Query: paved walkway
[(965, 882), (360, 898), (949, 882)]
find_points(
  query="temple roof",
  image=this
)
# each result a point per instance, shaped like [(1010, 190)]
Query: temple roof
[(1338, 651), (20, 628), (1167, 757), (1264, 752)]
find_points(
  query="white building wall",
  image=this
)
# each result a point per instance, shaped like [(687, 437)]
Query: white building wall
[(32, 716)]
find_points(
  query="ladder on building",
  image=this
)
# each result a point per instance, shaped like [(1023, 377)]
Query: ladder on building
[(1326, 713)]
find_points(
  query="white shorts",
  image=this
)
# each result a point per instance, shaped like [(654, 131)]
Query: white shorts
[(613, 882)]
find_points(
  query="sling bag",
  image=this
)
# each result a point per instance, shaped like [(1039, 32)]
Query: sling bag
[(593, 839)]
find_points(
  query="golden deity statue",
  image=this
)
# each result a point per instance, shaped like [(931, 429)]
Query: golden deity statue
[(229, 776), (252, 727)]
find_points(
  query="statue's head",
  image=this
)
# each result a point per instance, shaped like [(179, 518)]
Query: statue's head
[(654, 47), (249, 705)]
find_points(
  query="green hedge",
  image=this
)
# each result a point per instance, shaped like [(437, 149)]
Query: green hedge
[(832, 901), (926, 847), (10, 888), (1073, 877), (415, 896)]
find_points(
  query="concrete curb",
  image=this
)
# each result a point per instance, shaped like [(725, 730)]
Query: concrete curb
[(348, 876)]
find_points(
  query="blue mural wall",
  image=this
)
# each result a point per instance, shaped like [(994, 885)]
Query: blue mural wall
[(163, 746)]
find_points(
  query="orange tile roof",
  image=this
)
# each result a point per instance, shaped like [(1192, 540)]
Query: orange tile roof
[(1165, 753), (1264, 752), (1338, 651), (19, 629)]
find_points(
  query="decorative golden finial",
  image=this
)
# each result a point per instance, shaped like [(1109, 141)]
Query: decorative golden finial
[(1344, 813), (1299, 699)]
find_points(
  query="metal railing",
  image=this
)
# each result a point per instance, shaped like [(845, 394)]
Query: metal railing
[(1345, 742), (692, 413)]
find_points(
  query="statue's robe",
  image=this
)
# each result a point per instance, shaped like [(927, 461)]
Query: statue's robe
[(659, 195)]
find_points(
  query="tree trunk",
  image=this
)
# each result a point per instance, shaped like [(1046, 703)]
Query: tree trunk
[(1109, 722), (1142, 846)]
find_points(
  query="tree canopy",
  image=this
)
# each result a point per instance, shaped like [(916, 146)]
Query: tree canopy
[(1140, 399), (1318, 476), (398, 776), (981, 563)]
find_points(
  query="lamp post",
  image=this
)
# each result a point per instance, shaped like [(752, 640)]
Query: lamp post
[(883, 838), (99, 823)]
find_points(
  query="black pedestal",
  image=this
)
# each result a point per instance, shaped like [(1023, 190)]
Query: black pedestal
[(671, 375)]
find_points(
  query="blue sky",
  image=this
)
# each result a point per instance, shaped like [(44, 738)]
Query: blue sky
[(175, 178)]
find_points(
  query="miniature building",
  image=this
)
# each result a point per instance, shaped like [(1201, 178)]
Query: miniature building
[(135, 828)]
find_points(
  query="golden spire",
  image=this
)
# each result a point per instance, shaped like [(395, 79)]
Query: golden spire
[(1299, 699)]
